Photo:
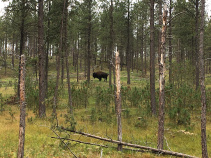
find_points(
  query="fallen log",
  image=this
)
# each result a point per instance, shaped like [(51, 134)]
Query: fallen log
[(154, 150), (104, 146)]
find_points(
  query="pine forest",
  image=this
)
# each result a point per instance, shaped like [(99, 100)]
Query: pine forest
[(105, 78)]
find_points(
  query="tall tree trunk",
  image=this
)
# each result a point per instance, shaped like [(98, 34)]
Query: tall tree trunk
[(196, 45), (142, 50), (62, 69), (162, 81), (145, 56), (118, 100), (42, 61), (128, 44), (170, 45), (48, 48), (5, 55), (202, 84), (22, 35), (67, 64), (13, 51), (22, 109), (111, 32), (89, 40), (152, 59), (58, 62), (159, 32)]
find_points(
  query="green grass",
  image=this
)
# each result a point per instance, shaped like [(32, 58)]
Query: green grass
[(39, 144), (138, 126)]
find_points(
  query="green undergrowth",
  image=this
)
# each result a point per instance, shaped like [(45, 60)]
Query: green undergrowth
[(94, 113)]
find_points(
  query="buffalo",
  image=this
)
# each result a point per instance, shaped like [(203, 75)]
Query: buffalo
[(100, 75)]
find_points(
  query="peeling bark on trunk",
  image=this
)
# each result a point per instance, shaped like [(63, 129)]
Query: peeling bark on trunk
[(22, 109), (118, 100), (162, 81)]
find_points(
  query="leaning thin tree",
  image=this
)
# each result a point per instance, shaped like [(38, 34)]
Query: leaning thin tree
[(22, 109), (162, 81), (118, 100), (202, 79)]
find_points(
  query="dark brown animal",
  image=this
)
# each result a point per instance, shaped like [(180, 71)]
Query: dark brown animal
[(100, 75)]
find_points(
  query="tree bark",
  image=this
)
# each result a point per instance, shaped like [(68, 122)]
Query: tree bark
[(202, 84), (42, 61), (22, 109), (111, 32), (162, 81), (196, 45), (89, 40), (159, 31), (118, 100), (58, 61), (13, 51), (66, 53), (170, 45), (152, 59), (22, 36), (128, 44)]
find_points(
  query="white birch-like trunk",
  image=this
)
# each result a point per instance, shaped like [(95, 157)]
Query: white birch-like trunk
[(118, 100), (162, 82)]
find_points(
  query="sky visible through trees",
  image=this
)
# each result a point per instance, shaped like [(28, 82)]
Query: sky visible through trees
[(4, 4)]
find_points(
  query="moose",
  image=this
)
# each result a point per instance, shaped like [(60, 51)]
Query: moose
[(100, 75)]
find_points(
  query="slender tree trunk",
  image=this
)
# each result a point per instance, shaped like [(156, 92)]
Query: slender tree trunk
[(13, 51), (160, 24), (128, 44), (77, 59), (111, 46), (142, 50), (162, 81), (58, 62), (145, 56), (170, 45), (22, 109), (152, 59), (118, 100), (42, 61), (62, 68), (196, 44), (48, 48), (66, 53), (202, 84), (89, 40), (22, 36)]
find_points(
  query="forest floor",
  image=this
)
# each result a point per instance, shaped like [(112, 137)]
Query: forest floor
[(136, 130)]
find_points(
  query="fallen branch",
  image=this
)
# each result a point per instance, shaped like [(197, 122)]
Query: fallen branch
[(78, 141), (63, 142), (154, 150), (104, 146)]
